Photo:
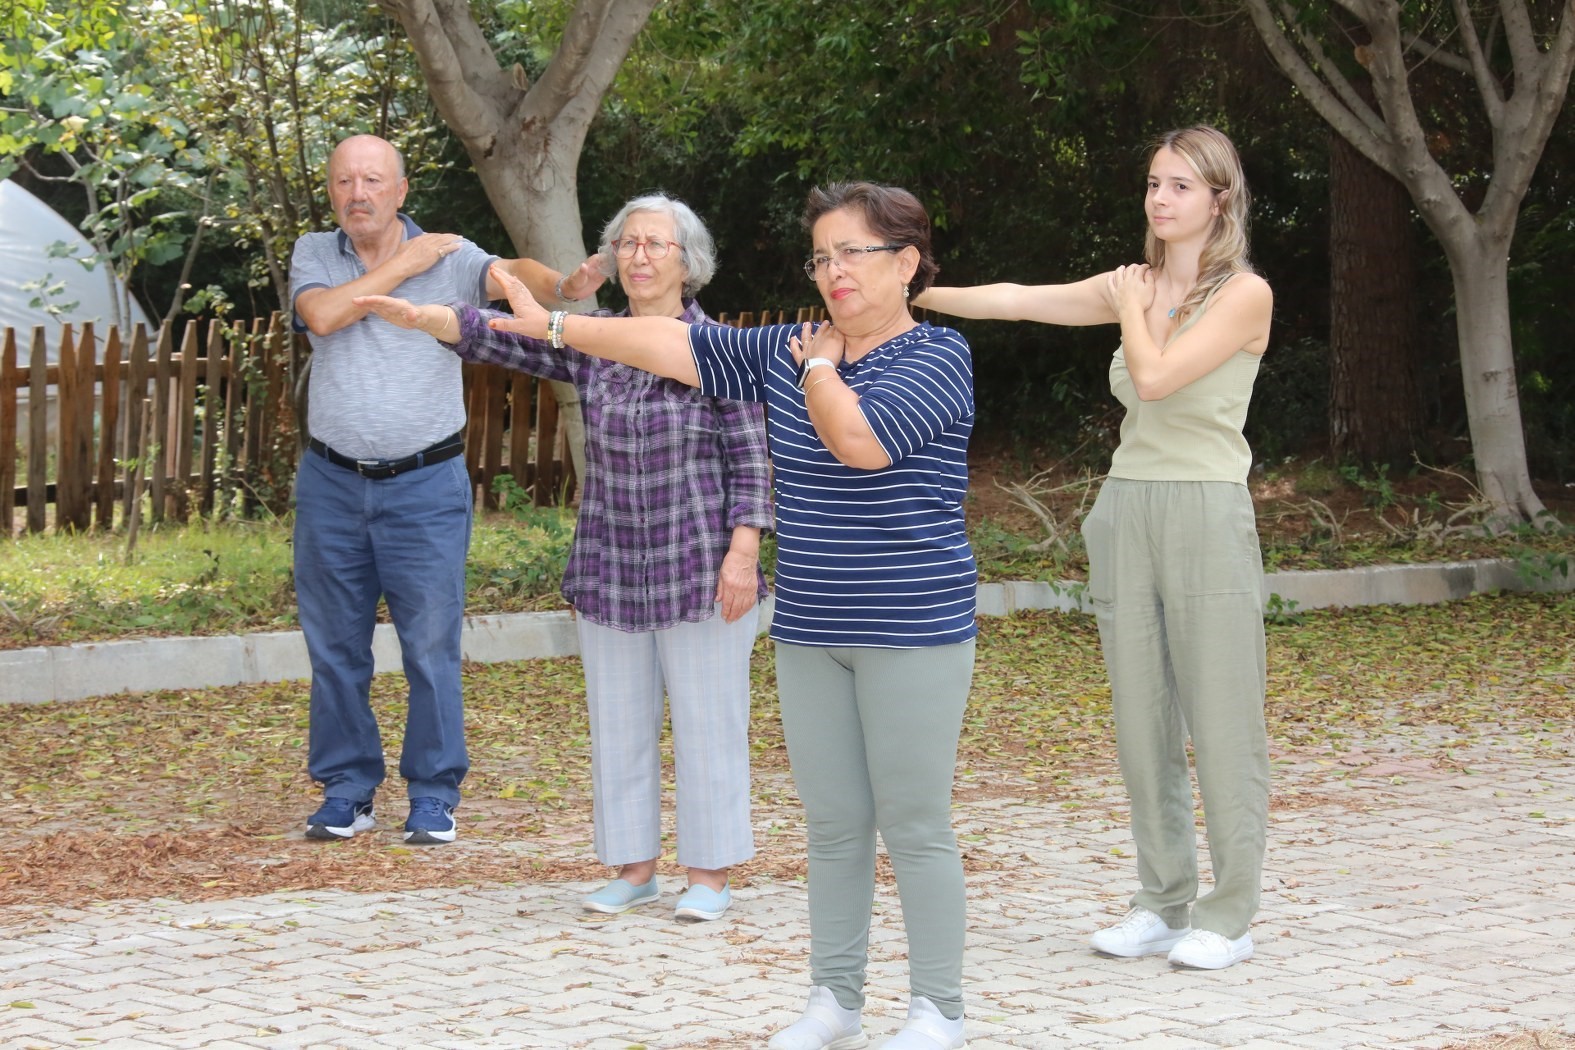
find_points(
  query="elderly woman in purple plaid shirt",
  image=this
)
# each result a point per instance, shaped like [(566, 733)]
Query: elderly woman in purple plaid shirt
[(664, 572)]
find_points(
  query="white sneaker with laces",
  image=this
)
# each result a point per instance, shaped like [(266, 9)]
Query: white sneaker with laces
[(927, 1029), (1141, 933), (825, 1025), (1207, 950)]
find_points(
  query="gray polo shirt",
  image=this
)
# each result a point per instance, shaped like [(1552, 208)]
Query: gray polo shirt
[(379, 391)]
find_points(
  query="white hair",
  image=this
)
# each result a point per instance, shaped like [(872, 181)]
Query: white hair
[(696, 249)]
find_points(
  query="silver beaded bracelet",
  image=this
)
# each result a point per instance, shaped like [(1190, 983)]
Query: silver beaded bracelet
[(555, 328)]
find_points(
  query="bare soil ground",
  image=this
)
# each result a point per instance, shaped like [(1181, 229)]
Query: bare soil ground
[(1309, 514)]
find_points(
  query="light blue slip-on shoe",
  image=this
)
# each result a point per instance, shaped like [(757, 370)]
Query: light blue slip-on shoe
[(703, 903), (619, 896)]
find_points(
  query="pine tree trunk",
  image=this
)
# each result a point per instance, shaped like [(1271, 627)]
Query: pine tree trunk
[(1375, 411)]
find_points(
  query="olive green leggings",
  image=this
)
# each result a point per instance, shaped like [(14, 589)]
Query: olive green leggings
[(872, 738)]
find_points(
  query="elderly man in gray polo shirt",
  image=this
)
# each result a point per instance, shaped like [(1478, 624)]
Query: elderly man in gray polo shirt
[(383, 498)]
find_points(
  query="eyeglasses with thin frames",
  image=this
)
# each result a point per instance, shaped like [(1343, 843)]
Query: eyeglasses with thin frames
[(847, 258), (655, 248)]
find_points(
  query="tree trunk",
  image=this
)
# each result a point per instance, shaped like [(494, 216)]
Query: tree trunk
[(1521, 70), (525, 139), (1480, 269), (1375, 411), (535, 190)]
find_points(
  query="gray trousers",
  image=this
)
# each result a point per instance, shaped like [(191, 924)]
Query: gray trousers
[(1176, 581), (872, 738), (703, 670)]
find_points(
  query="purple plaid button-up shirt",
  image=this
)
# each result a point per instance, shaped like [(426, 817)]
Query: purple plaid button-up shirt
[(669, 473)]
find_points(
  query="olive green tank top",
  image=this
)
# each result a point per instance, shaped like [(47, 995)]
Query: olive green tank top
[(1193, 434)]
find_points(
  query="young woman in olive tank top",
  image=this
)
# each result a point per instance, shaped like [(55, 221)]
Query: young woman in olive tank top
[(1175, 576)]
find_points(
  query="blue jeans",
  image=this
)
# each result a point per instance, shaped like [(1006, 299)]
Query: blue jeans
[(402, 538)]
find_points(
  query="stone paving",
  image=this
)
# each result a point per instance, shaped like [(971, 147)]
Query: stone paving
[(1406, 903)]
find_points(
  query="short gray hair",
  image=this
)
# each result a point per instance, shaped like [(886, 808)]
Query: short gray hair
[(696, 249)]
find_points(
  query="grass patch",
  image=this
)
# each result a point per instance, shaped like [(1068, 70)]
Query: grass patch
[(235, 577), (198, 579)]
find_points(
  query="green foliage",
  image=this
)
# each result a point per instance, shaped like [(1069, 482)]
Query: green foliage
[(200, 115), (1544, 256), (267, 89), (1021, 124), (1066, 30), (1004, 554), (51, 289), (236, 576), (1290, 401), (1537, 565), (1053, 552), (1379, 489), (79, 90), (194, 580), (1317, 478), (1281, 611), (854, 95), (524, 557)]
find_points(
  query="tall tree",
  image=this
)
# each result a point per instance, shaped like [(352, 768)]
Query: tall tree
[(78, 106), (1375, 404), (203, 115), (525, 137), (267, 90), (1517, 57)]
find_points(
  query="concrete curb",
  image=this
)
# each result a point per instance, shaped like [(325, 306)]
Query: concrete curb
[(75, 672)]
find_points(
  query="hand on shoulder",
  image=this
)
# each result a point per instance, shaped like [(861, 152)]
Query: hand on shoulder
[(420, 253)]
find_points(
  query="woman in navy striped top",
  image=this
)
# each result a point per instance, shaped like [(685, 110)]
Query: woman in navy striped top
[(868, 421)]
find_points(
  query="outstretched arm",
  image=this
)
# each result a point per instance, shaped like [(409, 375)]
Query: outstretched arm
[(437, 321), (1084, 303), (545, 283), (655, 344)]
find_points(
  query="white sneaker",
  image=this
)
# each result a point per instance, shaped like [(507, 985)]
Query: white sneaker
[(927, 1029), (1141, 933), (825, 1025), (1207, 950)]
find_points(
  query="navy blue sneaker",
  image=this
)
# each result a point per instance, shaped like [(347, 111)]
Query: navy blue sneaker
[(431, 822), (340, 818)]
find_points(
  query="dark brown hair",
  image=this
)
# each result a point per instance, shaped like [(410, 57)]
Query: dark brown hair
[(893, 213)]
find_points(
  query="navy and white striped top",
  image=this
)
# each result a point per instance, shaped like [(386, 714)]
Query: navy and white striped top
[(875, 558)]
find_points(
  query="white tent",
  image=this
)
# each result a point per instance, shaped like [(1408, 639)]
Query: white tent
[(28, 229)]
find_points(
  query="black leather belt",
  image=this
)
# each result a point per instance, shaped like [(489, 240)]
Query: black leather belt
[(377, 469)]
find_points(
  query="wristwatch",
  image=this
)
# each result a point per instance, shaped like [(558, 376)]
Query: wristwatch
[(811, 362)]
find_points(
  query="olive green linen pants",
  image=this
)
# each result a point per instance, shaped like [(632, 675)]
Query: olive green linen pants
[(872, 739), (1176, 581)]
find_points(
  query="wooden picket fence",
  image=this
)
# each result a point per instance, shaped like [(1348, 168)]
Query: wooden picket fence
[(204, 421)]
